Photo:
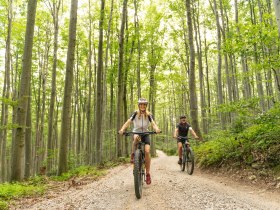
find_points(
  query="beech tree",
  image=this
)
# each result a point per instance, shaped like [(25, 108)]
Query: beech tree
[(24, 94), (66, 114), (192, 78)]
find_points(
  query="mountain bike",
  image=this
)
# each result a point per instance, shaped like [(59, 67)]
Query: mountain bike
[(139, 170), (187, 156)]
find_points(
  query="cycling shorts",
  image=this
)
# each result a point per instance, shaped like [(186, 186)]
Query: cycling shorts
[(146, 139), (182, 140)]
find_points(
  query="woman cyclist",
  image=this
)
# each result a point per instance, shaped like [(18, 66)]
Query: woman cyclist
[(141, 119)]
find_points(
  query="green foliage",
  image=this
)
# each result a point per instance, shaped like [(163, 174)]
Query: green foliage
[(276, 170), (80, 171), (37, 180), (246, 142), (242, 107), (37, 184), (169, 147), (217, 151), (170, 151), (15, 190), (9, 101), (8, 191), (9, 126), (116, 162), (3, 205), (260, 140)]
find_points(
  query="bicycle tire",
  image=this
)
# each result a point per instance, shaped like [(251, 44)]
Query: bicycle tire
[(137, 172), (183, 164), (190, 161)]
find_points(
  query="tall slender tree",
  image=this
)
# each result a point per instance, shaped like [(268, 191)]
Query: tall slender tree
[(99, 90), (276, 4), (121, 78), (54, 7), (192, 79), (66, 113), (25, 82), (6, 94), (137, 34)]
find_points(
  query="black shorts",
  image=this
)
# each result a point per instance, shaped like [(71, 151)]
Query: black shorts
[(146, 139), (182, 141)]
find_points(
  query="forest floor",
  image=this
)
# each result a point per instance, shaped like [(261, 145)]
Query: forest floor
[(170, 189)]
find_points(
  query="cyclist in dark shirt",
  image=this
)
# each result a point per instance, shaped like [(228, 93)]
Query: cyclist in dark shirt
[(182, 129)]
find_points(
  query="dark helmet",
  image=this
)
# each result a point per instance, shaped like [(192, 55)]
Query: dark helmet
[(182, 117), (142, 101)]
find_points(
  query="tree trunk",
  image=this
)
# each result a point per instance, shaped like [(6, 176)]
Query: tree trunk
[(50, 144), (89, 102), (107, 119), (121, 79), (43, 108), (28, 142), (137, 34), (18, 153), (277, 14), (201, 75), (75, 104), (219, 67), (99, 90), (246, 85), (66, 113), (277, 71), (152, 98), (208, 104), (192, 83), (256, 60), (6, 94), (37, 126)]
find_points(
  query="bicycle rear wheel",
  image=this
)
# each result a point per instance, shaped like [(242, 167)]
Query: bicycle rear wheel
[(137, 172), (190, 161)]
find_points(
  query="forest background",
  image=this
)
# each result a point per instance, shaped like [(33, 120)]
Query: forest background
[(72, 72)]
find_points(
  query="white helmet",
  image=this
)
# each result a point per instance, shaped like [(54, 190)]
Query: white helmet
[(142, 101)]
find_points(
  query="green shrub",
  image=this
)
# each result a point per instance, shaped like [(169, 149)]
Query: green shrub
[(3, 205), (80, 171), (217, 151), (255, 141), (168, 145), (37, 180), (170, 151), (8, 191)]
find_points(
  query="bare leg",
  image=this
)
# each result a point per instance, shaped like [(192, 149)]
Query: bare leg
[(147, 158), (133, 143), (180, 149), (135, 139)]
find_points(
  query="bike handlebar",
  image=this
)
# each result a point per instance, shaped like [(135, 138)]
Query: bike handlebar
[(185, 137), (182, 137), (139, 133)]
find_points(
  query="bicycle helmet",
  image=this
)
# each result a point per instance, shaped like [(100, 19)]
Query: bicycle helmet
[(142, 101), (182, 117)]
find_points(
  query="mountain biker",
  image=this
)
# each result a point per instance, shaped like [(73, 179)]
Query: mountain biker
[(141, 119), (182, 130)]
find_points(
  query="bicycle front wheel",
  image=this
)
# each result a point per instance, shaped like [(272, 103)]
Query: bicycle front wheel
[(190, 161), (137, 172), (184, 159)]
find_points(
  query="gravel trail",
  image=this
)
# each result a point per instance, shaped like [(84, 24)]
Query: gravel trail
[(170, 189)]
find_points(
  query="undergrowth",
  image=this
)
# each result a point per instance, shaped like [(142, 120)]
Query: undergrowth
[(252, 141), (39, 184)]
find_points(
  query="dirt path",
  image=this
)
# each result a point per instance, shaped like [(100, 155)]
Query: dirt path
[(170, 189)]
